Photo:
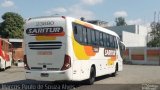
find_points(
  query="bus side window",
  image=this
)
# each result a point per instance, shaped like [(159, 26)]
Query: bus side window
[(122, 48), (79, 28), (89, 36), (101, 39), (84, 36), (93, 37), (77, 32), (112, 42), (97, 38), (107, 40), (116, 45), (104, 40)]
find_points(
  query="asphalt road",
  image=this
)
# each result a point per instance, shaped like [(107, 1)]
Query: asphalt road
[(133, 77)]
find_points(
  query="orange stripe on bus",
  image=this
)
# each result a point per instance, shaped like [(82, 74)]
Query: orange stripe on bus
[(89, 50), (88, 25)]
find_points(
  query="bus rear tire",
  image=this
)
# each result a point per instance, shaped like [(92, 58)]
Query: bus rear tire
[(91, 79)]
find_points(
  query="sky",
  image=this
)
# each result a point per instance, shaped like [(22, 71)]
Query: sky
[(139, 12)]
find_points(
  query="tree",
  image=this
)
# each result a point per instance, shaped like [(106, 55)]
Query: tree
[(12, 25), (155, 33), (120, 21)]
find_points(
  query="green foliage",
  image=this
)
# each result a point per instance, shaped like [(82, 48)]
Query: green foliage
[(120, 21), (155, 33), (12, 25)]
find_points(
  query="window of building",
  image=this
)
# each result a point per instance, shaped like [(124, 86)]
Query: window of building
[(17, 44)]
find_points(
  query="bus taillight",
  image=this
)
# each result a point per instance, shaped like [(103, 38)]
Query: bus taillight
[(25, 63), (67, 62)]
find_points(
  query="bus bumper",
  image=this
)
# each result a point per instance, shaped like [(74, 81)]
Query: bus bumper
[(49, 75)]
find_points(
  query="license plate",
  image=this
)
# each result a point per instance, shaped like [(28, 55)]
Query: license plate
[(44, 74), (44, 52)]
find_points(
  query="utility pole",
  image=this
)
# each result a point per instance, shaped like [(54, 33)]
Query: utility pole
[(154, 17), (158, 16), (159, 55)]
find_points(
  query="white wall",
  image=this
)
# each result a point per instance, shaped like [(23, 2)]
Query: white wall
[(141, 30), (133, 40), (132, 35)]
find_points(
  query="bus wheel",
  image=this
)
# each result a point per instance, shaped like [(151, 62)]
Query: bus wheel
[(115, 72), (91, 79)]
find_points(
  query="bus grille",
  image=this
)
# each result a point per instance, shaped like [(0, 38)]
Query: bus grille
[(40, 68), (44, 45)]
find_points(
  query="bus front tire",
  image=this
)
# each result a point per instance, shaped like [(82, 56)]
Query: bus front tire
[(91, 79), (115, 72)]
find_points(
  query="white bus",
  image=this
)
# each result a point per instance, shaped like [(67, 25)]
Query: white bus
[(5, 54), (64, 48)]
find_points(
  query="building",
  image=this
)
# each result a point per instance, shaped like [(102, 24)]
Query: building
[(98, 22), (17, 45), (132, 35), (135, 38)]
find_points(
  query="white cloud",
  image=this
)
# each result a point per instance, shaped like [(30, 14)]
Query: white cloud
[(120, 14), (138, 22), (91, 2), (76, 11), (7, 4), (58, 10)]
